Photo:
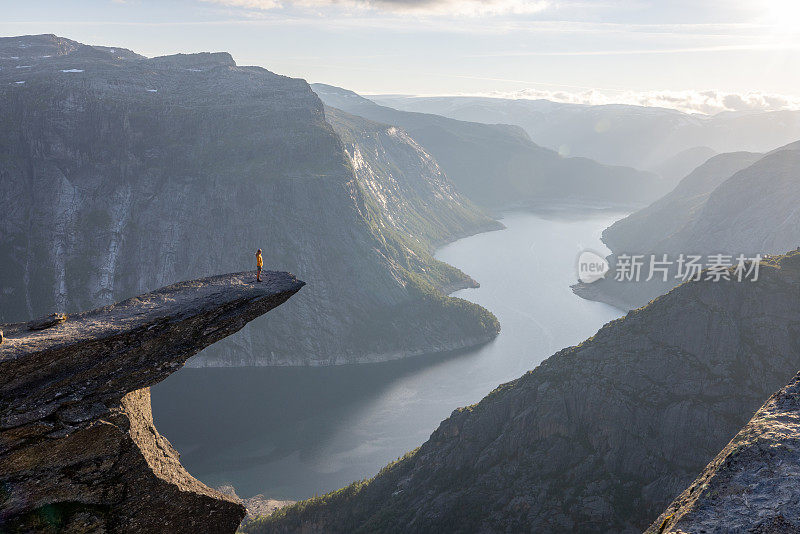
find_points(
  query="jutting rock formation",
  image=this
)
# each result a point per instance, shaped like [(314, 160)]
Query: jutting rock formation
[(78, 449), (752, 485)]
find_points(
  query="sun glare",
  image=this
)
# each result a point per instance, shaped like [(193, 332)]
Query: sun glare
[(783, 15)]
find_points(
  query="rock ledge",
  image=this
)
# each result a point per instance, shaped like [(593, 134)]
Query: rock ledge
[(752, 485), (78, 449)]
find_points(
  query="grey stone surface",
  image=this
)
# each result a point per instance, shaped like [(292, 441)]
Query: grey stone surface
[(753, 485), (78, 449)]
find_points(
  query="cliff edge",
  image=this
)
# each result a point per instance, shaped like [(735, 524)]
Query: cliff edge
[(751, 486), (78, 448)]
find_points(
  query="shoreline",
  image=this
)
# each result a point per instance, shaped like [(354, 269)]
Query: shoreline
[(455, 346), (595, 294)]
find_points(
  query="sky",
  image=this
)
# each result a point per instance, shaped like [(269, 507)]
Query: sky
[(698, 56)]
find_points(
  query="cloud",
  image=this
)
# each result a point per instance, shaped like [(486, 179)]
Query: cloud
[(705, 102), (249, 4), (421, 7), (650, 51)]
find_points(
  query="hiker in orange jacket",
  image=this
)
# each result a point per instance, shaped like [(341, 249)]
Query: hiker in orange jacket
[(259, 265)]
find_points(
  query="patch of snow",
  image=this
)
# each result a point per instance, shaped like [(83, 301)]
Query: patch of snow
[(14, 57), (152, 90), (43, 57), (113, 51), (195, 70), (72, 70), (20, 83), (24, 66)]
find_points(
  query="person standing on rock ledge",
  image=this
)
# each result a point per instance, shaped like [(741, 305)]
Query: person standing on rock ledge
[(259, 265)]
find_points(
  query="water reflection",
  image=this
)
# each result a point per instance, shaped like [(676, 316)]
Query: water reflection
[(296, 432)]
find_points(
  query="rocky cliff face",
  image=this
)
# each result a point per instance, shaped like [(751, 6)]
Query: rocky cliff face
[(122, 174), (255, 506), (412, 190), (752, 485), (497, 166), (600, 437), (738, 203), (410, 194), (78, 449)]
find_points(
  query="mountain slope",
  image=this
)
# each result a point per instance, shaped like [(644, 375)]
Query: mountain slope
[(599, 437), (671, 212), (636, 136), (121, 174), (739, 203), (752, 484), (415, 200), (676, 167), (753, 211), (497, 165)]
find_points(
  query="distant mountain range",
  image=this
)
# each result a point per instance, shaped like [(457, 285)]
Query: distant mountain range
[(641, 137), (676, 167), (498, 166)]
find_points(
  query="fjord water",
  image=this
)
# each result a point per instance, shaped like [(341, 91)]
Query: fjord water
[(294, 432)]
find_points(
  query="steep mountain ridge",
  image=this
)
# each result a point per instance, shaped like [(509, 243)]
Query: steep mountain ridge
[(411, 194), (751, 485), (739, 203), (672, 211), (676, 167), (123, 173), (617, 134), (755, 210), (599, 437), (497, 166)]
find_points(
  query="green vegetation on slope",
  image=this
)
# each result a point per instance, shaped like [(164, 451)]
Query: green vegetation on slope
[(599, 437), (497, 165)]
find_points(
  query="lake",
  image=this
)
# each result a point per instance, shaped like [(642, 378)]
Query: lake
[(293, 432)]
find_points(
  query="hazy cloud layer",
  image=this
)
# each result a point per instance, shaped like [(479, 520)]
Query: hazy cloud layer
[(428, 7), (707, 102)]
